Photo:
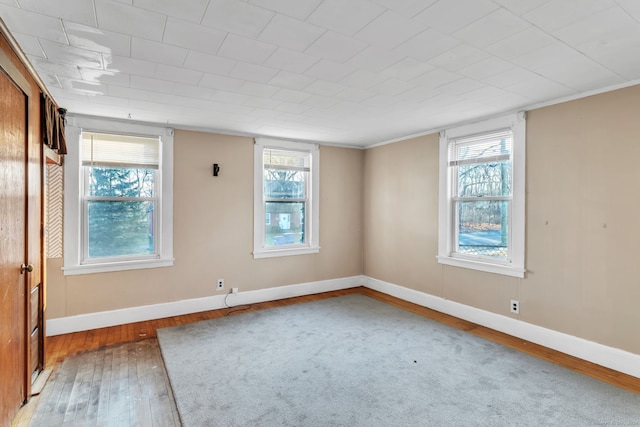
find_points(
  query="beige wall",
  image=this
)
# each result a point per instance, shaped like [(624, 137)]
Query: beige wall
[(213, 233), (582, 243)]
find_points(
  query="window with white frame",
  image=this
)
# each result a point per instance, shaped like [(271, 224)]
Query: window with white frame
[(118, 197), (481, 221), (286, 190)]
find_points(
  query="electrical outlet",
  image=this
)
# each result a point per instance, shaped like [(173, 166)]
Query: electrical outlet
[(515, 306), (220, 284), (234, 290)]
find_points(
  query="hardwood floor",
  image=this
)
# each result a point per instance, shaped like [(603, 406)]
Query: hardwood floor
[(115, 375)]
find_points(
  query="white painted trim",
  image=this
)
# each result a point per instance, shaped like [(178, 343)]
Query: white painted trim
[(72, 199), (446, 223), (610, 357), (312, 221), (84, 322)]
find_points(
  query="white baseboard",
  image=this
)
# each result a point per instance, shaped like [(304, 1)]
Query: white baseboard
[(610, 357), (84, 322)]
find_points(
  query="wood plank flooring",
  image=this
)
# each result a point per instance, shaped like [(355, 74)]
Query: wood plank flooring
[(115, 376)]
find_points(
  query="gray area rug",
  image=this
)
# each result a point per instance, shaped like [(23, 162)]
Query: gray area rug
[(355, 361)]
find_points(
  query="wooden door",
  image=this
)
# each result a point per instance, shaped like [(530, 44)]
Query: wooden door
[(13, 235)]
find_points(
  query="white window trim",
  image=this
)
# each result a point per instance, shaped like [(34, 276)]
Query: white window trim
[(312, 245), (72, 198), (515, 267)]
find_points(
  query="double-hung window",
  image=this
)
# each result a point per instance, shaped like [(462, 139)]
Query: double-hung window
[(482, 196), (118, 197), (285, 198)]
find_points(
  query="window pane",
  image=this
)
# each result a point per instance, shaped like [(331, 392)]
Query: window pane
[(284, 184), (121, 182), (286, 223), (485, 179), (483, 228), (120, 228)]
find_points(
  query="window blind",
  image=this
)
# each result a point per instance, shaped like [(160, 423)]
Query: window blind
[(286, 160), (492, 147), (110, 150)]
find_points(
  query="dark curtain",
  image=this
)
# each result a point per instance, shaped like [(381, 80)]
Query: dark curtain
[(53, 126)]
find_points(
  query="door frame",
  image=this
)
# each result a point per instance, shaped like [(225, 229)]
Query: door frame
[(31, 238)]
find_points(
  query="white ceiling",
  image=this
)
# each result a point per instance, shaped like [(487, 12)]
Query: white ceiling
[(351, 72)]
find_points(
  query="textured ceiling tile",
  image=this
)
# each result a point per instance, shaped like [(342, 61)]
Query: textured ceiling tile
[(389, 30), (247, 50), (363, 79), (154, 85), (252, 72), (125, 19), (287, 80), (521, 43), (335, 47), (72, 55), (324, 88), (291, 107), (157, 52), (451, 15), (427, 45), (598, 27), (91, 38), (632, 7), (329, 71), (392, 87), (236, 17), (345, 16), (80, 11), (208, 63), (129, 65), (407, 8), (214, 81), (510, 77), (105, 77), (520, 7), (436, 78), (178, 75), (290, 33), (374, 59), (29, 45), (492, 28), (192, 91), (354, 94), (290, 96), (190, 10), (620, 53), (460, 87), (299, 9), (486, 68), (289, 60), (547, 56), (45, 27), (229, 97), (580, 73), (320, 101), (459, 57), (57, 68), (191, 36), (407, 69), (258, 89), (559, 13), (540, 88)]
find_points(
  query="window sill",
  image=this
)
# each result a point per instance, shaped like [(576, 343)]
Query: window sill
[(506, 270), (272, 253), (73, 270)]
